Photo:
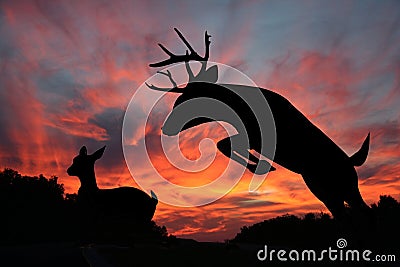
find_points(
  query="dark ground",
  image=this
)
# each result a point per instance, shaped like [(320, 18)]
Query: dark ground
[(180, 252)]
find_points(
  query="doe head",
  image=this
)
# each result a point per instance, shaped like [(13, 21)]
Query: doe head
[(83, 163)]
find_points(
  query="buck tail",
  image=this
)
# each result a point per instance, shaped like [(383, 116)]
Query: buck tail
[(360, 156), (154, 196)]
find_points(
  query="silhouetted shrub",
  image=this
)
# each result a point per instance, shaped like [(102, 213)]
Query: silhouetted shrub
[(30, 207), (321, 230), (289, 230)]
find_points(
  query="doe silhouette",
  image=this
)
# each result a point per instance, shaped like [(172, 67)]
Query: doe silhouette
[(301, 146), (122, 202)]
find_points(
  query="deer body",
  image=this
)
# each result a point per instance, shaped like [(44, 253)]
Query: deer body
[(300, 145), (122, 202)]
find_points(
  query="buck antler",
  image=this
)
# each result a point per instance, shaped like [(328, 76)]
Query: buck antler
[(187, 57), (169, 75)]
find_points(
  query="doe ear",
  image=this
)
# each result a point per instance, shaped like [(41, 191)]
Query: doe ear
[(99, 153), (83, 151)]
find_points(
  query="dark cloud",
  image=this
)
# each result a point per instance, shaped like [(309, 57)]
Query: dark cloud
[(248, 201), (386, 181), (60, 82), (369, 171), (111, 120)]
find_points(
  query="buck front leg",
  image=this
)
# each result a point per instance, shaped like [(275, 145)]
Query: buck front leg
[(233, 148)]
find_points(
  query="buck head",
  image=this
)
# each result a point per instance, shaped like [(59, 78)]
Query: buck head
[(198, 86), (193, 107), (83, 167)]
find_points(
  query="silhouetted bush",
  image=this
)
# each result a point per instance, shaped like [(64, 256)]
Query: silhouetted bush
[(321, 230), (35, 209), (30, 207), (290, 229)]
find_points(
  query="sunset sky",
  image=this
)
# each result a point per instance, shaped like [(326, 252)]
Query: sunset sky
[(68, 70)]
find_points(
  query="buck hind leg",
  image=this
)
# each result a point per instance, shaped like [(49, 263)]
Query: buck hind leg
[(337, 209), (357, 203), (361, 221), (363, 215), (233, 148)]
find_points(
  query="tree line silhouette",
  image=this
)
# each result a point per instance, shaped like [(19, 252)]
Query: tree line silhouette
[(320, 230)]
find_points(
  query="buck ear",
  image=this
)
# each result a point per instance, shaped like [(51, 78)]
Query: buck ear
[(83, 151), (212, 74), (99, 153)]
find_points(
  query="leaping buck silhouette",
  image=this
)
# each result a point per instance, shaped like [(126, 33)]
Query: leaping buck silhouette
[(300, 145), (122, 203)]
